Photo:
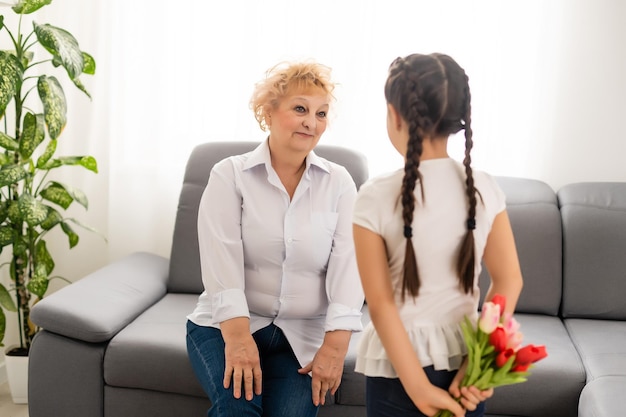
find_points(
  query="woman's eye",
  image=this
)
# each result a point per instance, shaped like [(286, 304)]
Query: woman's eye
[(300, 109), (321, 114)]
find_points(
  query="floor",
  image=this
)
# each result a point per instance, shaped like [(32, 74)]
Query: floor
[(7, 408)]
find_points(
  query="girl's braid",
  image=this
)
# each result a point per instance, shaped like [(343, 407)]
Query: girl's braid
[(467, 254)]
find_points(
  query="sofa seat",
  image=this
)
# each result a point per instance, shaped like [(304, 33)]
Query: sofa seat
[(561, 374), (601, 345), (602, 397), (151, 353)]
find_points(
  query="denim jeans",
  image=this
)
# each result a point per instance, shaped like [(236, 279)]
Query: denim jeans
[(285, 392), (386, 397)]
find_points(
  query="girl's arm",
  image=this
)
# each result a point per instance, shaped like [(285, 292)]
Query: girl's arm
[(500, 258), (374, 271), (501, 261)]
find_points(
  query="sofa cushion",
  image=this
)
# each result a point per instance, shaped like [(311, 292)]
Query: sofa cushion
[(602, 397), (594, 258), (536, 222), (553, 387), (601, 345), (151, 352)]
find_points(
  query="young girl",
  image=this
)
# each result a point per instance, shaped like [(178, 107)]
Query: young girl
[(420, 235)]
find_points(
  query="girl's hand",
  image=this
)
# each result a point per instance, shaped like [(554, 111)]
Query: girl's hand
[(432, 399), (469, 397)]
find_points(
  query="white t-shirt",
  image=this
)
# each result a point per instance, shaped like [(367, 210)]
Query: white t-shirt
[(432, 319), (265, 257)]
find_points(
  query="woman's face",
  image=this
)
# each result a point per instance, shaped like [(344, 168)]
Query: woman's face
[(298, 121)]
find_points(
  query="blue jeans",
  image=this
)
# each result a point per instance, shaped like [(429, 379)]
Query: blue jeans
[(386, 397), (285, 392)]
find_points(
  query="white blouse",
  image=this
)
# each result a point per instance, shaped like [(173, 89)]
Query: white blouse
[(432, 319), (278, 261)]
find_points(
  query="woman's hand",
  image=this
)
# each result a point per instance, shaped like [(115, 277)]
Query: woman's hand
[(470, 397), (327, 365), (243, 365)]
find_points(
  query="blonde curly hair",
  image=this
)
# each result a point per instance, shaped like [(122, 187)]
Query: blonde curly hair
[(284, 79)]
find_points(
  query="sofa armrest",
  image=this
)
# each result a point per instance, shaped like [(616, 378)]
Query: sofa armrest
[(96, 307)]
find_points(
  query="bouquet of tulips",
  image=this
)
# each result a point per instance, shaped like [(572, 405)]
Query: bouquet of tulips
[(494, 348)]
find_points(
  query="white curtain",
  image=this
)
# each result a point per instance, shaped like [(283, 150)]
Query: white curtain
[(547, 80)]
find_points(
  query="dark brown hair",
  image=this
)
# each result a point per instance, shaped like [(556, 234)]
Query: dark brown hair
[(431, 93)]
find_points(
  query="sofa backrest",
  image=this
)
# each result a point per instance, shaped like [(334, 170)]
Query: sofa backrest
[(594, 250), (536, 222), (184, 275)]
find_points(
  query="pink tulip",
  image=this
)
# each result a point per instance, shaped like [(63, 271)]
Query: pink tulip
[(510, 324), (514, 340), (489, 317)]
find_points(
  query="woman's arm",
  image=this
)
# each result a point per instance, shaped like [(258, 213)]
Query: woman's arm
[(221, 259), (374, 271), (345, 297)]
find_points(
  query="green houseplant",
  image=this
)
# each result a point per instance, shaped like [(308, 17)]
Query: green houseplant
[(32, 116)]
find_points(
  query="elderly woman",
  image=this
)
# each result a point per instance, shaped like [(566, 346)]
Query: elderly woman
[(282, 293)]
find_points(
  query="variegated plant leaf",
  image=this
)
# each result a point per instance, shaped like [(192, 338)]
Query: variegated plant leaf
[(62, 45), (52, 219), (38, 285), (8, 143), (11, 80), (88, 162), (12, 175), (4, 212), (54, 104), (81, 87), (47, 154), (71, 236), (45, 263), (6, 300), (6, 235), (84, 226), (32, 210), (29, 6), (58, 194), (33, 134), (13, 213), (90, 64)]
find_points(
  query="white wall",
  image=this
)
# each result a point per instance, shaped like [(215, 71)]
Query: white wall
[(548, 83)]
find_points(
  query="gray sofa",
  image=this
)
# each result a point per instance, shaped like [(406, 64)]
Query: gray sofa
[(113, 343)]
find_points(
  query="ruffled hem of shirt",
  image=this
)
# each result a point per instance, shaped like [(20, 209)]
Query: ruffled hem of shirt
[(441, 346)]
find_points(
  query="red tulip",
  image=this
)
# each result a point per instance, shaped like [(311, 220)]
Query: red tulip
[(520, 368), (499, 300), (503, 357), (498, 339), (529, 354)]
